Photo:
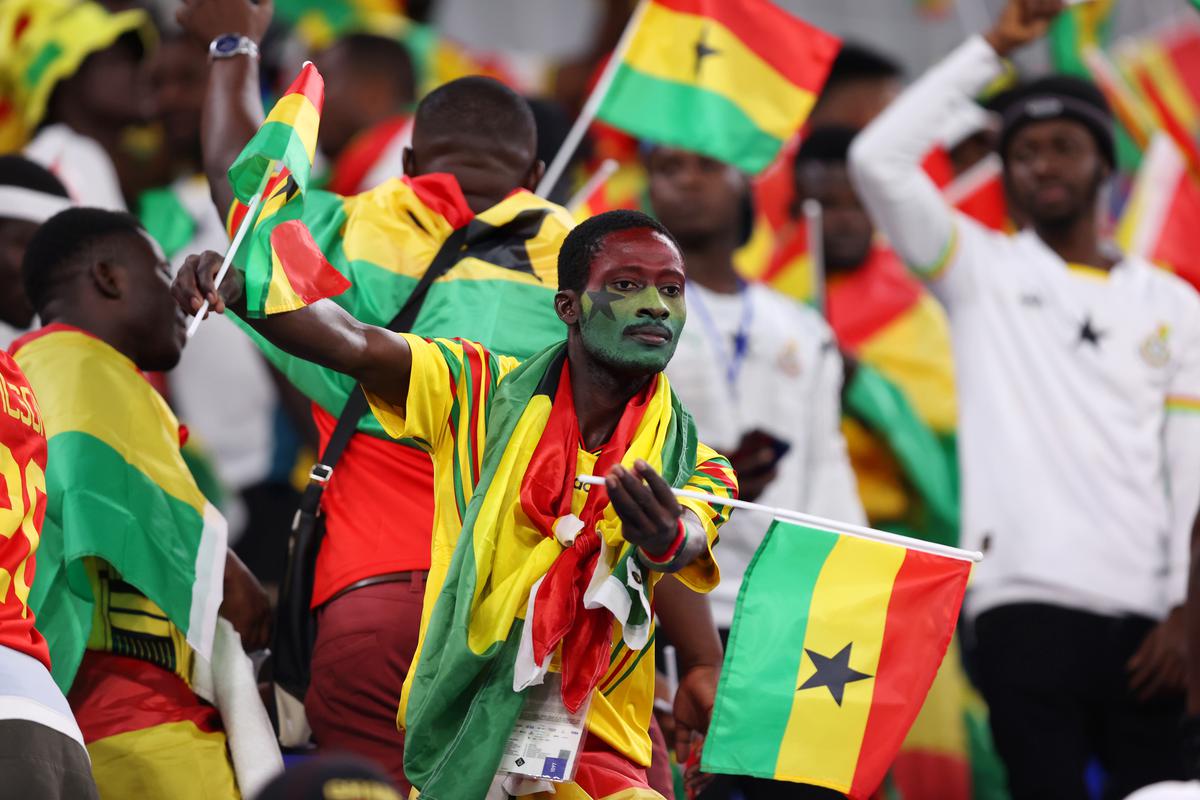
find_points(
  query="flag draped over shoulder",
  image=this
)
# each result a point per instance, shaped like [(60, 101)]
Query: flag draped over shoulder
[(834, 645), (732, 79), (480, 646), (117, 489), (500, 292)]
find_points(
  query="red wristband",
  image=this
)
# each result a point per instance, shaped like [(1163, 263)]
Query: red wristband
[(671, 551)]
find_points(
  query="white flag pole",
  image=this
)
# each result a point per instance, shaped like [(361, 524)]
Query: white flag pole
[(813, 216), (575, 135), (247, 224), (605, 171), (820, 522)]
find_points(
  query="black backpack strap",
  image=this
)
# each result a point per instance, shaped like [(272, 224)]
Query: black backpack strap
[(356, 405)]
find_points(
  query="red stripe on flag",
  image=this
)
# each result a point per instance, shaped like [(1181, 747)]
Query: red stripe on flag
[(115, 694), (863, 302), (800, 52), (922, 612), (310, 84), (925, 773), (312, 277), (1171, 123), (440, 192)]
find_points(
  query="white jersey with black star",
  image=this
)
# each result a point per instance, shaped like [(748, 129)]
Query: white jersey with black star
[(1079, 389)]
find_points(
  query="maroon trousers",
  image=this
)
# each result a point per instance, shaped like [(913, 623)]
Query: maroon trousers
[(366, 639)]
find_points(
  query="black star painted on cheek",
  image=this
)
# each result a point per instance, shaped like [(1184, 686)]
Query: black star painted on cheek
[(703, 51), (602, 302), (1089, 335), (833, 673)]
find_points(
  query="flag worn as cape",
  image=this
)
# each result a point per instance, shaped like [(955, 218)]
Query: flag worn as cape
[(732, 79), (117, 489), (500, 293), (467, 688), (835, 642)]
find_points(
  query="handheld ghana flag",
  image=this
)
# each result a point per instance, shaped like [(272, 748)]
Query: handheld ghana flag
[(500, 292), (288, 135), (834, 645), (117, 489), (732, 79), (284, 267)]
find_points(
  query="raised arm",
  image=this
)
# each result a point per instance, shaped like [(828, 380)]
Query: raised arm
[(323, 332), (886, 158), (232, 103)]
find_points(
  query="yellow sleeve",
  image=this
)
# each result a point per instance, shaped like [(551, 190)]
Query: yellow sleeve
[(714, 475), (424, 417)]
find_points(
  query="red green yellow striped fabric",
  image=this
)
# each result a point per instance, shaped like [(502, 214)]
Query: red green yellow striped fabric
[(288, 135), (834, 646), (117, 489), (729, 78), (482, 418), (500, 292)]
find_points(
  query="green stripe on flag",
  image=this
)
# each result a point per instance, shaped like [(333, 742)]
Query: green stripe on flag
[(274, 141), (772, 606), (83, 519), (674, 114)]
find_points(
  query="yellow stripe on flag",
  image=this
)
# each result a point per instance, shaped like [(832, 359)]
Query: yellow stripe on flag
[(849, 607), (667, 46), (143, 412), (298, 112), (1162, 72)]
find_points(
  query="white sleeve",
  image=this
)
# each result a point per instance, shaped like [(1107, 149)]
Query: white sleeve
[(832, 490), (885, 164), (1181, 445)]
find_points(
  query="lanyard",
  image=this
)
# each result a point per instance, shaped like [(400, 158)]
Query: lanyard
[(735, 356)]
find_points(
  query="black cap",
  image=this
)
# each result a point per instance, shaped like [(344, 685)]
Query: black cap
[(322, 777), (1057, 97)]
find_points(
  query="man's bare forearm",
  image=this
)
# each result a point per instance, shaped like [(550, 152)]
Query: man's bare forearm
[(686, 620), (325, 334), (233, 111)]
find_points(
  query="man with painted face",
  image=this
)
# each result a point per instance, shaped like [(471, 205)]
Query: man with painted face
[(507, 441), (1078, 374)]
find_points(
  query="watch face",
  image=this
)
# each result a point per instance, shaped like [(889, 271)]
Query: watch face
[(227, 44)]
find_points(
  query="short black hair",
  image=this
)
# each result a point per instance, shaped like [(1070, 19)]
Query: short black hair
[(829, 143), (370, 56), (61, 243), (20, 171), (478, 104), (857, 61), (584, 241)]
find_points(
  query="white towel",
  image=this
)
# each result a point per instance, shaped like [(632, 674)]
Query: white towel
[(228, 682)]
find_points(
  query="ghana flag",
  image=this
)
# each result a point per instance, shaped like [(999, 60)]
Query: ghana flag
[(500, 292), (284, 267), (288, 135), (732, 79), (117, 489), (834, 645)]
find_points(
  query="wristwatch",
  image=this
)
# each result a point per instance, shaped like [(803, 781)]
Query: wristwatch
[(232, 44)]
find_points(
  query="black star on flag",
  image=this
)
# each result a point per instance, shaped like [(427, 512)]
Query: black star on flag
[(703, 51), (833, 673), (602, 302), (1088, 334)]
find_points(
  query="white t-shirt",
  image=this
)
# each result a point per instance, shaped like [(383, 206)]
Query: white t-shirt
[(28, 692), (1079, 390), (81, 164), (788, 384)]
